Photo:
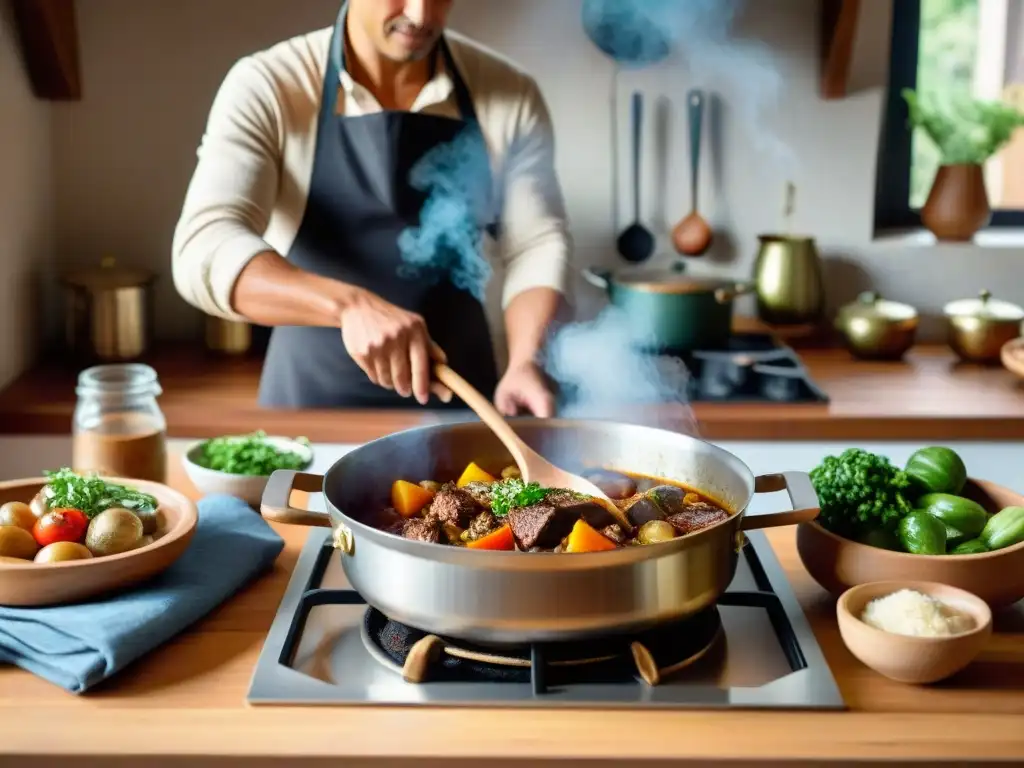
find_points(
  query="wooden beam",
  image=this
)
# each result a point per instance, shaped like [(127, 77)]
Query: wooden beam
[(49, 44), (839, 30)]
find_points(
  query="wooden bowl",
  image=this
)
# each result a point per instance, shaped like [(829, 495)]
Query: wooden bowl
[(906, 658), (37, 584), (996, 577)]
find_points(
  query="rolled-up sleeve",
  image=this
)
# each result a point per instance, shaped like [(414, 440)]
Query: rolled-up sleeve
[(535, 240), (232, 192)]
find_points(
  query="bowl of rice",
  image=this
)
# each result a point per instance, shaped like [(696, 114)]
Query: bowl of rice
[(913, 631)]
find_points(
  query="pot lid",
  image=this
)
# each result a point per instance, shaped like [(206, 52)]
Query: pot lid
[(985, 308), (107, 277), (870, 305), (669, 280)]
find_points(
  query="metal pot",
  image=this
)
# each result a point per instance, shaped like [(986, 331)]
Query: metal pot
[(978, 328), (876, 329), (512, 597), (108, 312), (669, 311)]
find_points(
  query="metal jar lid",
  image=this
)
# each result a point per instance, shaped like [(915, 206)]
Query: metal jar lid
[(871, 306), (985, 308), (108, 277)]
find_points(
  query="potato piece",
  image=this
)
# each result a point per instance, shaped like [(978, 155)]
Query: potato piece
[(18, 514), (473, 474), (409, 499)]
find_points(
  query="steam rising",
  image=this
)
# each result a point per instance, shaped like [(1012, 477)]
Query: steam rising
[(597, 364), (447, 243), (602, 373)]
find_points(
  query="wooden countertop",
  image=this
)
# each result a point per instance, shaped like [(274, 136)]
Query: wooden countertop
[(929, 396), (186, 700)]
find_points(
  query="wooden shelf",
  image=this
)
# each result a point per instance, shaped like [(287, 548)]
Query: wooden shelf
[(839, 30), (49, 43)]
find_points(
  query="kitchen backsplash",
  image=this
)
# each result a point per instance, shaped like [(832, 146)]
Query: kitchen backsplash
[(123, 156)]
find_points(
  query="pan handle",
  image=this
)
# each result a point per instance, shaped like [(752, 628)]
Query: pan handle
[(275, 506), (801, 494)]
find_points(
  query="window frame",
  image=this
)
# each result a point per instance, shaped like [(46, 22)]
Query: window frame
[(892, 193)]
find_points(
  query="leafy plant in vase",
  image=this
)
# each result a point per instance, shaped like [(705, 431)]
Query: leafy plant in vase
[(966, 137)]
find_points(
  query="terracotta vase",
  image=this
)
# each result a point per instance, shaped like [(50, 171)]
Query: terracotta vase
[(957, 205)]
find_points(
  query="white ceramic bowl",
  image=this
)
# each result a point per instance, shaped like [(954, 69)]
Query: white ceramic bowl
[(249, 488)]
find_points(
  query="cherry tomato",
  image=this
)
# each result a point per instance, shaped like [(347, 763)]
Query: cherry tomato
[(60, 525)]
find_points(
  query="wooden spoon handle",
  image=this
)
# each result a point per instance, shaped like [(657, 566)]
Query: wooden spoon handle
[(695, 110), (488, 414)]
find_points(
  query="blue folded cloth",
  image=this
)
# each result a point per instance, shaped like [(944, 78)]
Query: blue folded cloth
[(77, 646)]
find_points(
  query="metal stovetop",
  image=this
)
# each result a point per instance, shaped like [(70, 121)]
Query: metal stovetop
[(316, 653)]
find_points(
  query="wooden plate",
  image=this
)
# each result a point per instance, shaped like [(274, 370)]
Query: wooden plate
[(37, 584), (1012, 355)]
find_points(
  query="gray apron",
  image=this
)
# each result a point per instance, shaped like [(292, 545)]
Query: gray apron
[(360, 203)]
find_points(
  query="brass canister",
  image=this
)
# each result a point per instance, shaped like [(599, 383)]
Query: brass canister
[(108, 312), (978, 328), (788, 278), (876, 329), (228, 337)]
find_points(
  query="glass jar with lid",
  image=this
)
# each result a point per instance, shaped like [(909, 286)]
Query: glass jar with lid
[(118, 428)]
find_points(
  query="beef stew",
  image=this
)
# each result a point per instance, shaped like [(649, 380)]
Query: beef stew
[(503, 513)]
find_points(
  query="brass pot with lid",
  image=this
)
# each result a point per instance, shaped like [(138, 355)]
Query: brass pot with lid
[(978, 328), (108, 312), (876, 329)]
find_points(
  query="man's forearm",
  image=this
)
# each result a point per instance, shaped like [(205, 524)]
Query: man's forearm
[(528, 318), (270, 291)]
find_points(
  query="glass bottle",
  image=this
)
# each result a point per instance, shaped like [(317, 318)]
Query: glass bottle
[(118, 428)]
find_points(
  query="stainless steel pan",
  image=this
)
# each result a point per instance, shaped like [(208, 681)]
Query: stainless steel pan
[(512, 597)]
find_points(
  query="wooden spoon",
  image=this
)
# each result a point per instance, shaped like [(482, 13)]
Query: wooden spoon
[(533, 467), (692, 236)]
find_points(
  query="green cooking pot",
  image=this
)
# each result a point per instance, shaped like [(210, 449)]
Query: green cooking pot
[(668, 310)]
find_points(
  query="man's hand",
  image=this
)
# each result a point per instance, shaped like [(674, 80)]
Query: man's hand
[(524, 387), (392, 346)]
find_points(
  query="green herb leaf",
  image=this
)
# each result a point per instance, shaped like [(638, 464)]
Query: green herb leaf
[(90, 495), (514, 493), (248, 455), (966, 132)]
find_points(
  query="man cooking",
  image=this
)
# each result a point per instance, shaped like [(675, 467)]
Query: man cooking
[(305, 189)]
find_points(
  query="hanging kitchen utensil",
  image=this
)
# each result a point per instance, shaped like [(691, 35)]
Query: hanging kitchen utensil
[(692, 236), (636, 243), (628, 32)]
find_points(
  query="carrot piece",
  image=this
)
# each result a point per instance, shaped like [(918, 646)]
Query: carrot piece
[(499, 540), (409, 499), (473, 474), (583, 538)]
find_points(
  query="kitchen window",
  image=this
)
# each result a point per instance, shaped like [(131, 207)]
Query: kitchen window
[(950, 49)]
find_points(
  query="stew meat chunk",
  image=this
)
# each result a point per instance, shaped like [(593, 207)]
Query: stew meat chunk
[(545, 518)]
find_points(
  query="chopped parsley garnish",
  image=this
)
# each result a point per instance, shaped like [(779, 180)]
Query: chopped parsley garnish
[(91, 495), (514, 493), (248, 455)]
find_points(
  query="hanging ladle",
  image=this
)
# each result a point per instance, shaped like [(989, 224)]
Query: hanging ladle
[(533, 467), (692, 236), (636, 243)]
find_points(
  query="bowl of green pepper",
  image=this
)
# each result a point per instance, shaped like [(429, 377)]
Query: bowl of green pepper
[(927, 521), (241, 465)]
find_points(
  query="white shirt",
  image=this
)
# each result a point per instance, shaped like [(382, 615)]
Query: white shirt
[(248, 193)]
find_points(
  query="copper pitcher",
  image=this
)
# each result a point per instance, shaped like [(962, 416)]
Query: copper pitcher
[(957, 206)]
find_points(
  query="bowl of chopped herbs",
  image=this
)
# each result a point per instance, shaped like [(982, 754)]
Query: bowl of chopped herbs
[(241, 465)]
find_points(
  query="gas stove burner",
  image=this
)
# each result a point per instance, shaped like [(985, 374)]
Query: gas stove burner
[(653, 655)]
